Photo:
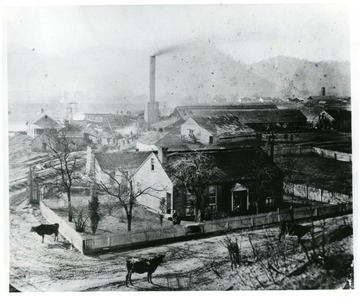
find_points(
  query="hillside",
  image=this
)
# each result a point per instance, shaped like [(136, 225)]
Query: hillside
[(301, 78), (194, 71)]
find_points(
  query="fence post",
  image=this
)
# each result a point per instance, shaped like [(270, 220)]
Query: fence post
[(278, 214)]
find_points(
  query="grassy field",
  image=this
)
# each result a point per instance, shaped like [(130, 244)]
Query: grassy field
[(113, 217)]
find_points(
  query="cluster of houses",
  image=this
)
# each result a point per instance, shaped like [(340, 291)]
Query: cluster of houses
[(103, 129), (230, 134)]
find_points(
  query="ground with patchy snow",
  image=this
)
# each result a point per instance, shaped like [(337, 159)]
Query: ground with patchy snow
[(193, 265)]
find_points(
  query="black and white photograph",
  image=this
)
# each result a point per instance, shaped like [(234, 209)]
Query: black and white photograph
[(187, 147)]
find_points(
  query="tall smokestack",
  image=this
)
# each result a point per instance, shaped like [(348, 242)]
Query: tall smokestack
[(152, 78), (152, 112)]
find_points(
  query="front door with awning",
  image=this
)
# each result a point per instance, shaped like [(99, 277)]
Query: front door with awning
[(240, 198)]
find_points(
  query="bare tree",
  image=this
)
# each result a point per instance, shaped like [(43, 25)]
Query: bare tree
[(123, 188), (196, 172), (268, 180), (68, 164)]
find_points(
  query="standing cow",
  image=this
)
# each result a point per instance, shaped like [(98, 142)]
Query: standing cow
[(293, 229), (138, 265), (43, 230)]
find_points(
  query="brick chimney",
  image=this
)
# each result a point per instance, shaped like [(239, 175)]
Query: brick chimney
[(162, 154)]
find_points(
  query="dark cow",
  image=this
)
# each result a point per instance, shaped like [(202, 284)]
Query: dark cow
[(43, 230), (140, 265), (293, 229)]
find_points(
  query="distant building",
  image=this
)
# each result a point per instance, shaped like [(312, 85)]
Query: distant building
[(42, 124), (108, 121), (215, 130), (73, 134), (337, 119), (182, 113), (260, 120), (153, 140)]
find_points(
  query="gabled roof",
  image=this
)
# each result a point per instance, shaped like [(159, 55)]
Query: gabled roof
[(258, 116), (161, 139), (122, 160), (187, 111), (170, 140), (223, 125), (46, 122), (71, 130), (168, 122), (152, 137), (322, 98), (233, 165), (110, 120), (339, 114)]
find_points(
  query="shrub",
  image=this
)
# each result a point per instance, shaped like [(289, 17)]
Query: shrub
[(80, 221), (94, 212)]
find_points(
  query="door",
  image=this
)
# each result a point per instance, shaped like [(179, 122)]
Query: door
[(240, 201), (211, 139)]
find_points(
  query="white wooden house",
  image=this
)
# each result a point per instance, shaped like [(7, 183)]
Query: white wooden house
[(42, 124), (145, 170)]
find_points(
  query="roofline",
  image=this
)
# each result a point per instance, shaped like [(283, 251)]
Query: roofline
[(214, 150), (225, 105), (136, 171)]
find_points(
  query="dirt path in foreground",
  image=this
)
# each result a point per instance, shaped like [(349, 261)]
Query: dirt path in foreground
[(53, 266)]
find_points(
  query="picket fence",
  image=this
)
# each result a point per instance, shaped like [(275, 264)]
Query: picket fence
[(136, 239)]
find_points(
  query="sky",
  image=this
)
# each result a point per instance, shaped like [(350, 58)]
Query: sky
[(248, 33)]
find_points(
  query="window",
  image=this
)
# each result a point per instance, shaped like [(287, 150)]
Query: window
[(190, 204), (211, 139), (191, 132), (190, 211), (269, 201), (212, 195), (152, 164), (138, 186)]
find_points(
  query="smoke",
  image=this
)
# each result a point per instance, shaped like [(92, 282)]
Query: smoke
[(171, 48), (166, 50)]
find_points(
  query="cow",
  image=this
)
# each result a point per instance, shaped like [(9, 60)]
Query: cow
[(140, 265), (43, 230), (293, 229)]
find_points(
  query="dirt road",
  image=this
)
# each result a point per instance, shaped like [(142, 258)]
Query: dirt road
[(53, 266)]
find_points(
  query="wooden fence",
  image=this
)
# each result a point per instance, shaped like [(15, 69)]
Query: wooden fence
[(136, 239), (331, 154), (316, 194), (69, 233)]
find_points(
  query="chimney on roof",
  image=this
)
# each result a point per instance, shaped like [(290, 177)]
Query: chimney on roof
[(162, 154), (323, 91)]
